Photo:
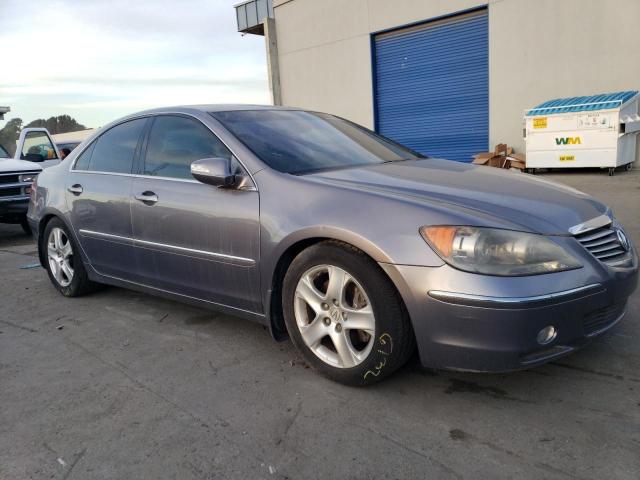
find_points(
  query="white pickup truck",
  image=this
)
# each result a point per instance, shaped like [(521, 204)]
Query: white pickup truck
[(35, 151)]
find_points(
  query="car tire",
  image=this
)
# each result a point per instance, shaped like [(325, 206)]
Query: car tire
[(63, 262), (364, 295)]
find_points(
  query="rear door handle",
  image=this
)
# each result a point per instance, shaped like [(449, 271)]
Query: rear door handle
[(147, 197), (75, 189)]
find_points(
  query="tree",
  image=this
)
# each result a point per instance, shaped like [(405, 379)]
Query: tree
[(9, 135), (59, 124)]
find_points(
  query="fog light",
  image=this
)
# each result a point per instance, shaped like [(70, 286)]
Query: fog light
[(547, 335)]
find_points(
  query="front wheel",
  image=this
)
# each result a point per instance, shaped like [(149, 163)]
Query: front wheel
[(344, 315)]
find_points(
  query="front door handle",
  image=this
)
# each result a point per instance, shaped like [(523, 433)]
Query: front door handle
[(148, 198), (75, 189)]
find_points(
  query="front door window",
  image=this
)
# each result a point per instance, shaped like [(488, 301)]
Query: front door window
[(175, 143)]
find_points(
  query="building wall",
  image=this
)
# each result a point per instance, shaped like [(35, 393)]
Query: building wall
[(538, 50), (77, 136)]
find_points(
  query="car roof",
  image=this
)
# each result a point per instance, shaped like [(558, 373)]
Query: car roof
[(216, 108), (190, 109)]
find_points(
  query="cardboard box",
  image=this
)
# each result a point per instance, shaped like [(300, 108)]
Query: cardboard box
[(502, 156)]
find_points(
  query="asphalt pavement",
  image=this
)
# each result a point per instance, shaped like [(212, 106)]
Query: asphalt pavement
[(122, 385)]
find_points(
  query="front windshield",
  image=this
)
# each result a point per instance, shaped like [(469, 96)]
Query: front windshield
[(299, 142)]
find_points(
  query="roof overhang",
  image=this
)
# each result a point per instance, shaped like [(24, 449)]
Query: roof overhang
[(4, 110)]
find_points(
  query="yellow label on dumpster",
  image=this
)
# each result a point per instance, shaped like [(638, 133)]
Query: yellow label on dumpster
[(567, 158), (540, 122)]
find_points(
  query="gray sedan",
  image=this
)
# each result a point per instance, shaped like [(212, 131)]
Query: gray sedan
[(355, 247)]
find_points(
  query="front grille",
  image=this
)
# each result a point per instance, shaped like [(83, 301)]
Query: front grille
[(600, 319), (11, 186), (10, 192), (12, 178), (604, 244)]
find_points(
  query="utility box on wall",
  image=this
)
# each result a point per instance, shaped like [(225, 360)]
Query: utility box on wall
[(578, 132)]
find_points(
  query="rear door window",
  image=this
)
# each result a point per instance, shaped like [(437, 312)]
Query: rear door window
[(175, 143), (85, 158), (114, 150)]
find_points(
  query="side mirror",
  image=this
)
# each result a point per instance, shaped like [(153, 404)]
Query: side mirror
[(214, 171)]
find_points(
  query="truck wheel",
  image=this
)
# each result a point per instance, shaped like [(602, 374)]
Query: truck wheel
[(25, 226)]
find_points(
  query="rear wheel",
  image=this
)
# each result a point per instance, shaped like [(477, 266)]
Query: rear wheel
[(344, 315), (64, 265)]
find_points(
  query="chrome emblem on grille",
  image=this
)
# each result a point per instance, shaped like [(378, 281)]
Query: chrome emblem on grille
[(622, 238)]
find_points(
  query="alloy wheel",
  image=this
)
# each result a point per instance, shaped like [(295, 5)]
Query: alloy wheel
[(60, 254), (334, 316)]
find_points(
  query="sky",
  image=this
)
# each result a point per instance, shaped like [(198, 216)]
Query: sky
[(97, 60)]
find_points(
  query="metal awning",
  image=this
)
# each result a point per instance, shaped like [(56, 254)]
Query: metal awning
[(251, 14)]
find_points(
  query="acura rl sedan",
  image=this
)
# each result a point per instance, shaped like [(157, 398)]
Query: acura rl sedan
[(358, 249)]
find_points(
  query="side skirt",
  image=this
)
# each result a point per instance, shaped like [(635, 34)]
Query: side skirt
[(118, 282)]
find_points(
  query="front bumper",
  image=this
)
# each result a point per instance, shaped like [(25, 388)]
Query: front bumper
[(493, 326), (14, 208)]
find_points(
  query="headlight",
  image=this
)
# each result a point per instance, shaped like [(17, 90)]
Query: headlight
[(27, 177), (492, 251)]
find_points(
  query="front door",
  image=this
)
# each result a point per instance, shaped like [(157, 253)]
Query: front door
[(35, 145), (99, 197), (193, 239)]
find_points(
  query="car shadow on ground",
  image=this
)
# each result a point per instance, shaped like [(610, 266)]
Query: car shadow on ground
[(13, 235), (539, 385), (588, 366)]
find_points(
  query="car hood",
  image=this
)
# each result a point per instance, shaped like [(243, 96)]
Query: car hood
[(10, 165), (520, 200)]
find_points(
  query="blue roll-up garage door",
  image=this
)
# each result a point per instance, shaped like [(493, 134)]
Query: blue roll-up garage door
[(432, 86)]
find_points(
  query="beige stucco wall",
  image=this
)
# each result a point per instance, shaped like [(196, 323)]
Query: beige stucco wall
[(538, 50), (78, 136), (544, 49)]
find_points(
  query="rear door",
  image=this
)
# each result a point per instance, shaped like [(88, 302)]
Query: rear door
[(99, 196), (193, 239)]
